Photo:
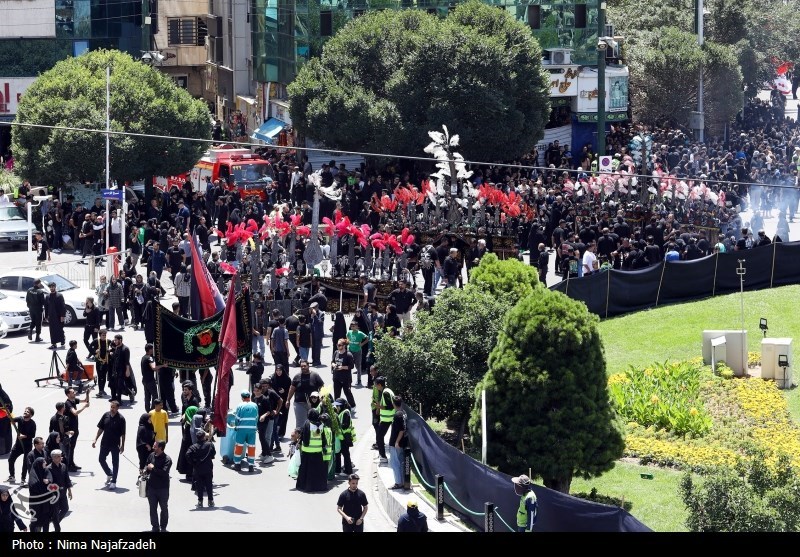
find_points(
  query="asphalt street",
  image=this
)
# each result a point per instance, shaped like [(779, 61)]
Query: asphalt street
[(265, 500)]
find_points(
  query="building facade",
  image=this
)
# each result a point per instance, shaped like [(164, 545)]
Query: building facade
[(179, 32)]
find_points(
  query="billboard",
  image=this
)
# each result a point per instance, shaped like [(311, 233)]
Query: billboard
[(27, 19)]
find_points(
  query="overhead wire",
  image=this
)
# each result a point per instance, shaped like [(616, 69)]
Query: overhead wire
[(389, 155)]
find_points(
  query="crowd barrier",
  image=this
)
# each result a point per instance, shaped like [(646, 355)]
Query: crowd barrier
[(468, 485), (613, 292)]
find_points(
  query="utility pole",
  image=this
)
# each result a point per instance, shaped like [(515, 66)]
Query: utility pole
[(700, 24), (146, 25), (601, 78)]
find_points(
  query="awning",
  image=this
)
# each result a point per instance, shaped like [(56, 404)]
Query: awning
[(268, 130)]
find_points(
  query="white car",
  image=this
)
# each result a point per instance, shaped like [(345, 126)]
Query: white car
[(15, 284), (14, 312)]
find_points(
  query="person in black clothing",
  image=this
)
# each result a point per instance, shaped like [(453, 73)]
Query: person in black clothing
[(342, 368), (60, 477), (189, 397), (7, 516), (206, 382), (72, 411), (92, 324), (121, 373), (451, 269), (166, 385), (652, 253), (145, 438), (26, 431), (403, 300), (412, 520), (201, 456), (158, 466), (38, 480), (55, 312), (352, 506), (320, 299), (112, 427), (345, 423), (542, 262), (398, 441), (39, 450), (281, 383), (148, 368), (256, 370), (74, 366), (35, 299), (303, 384)]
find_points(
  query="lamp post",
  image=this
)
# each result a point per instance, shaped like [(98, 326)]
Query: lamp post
[(601, 79), (699, 9)]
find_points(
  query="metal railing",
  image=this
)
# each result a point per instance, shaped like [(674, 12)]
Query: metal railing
[(83, 271)]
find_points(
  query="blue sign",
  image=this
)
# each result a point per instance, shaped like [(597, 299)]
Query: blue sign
[(112, 194)]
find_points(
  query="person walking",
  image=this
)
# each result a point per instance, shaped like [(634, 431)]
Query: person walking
[(101, 350), (348, 436), (398, 441), (157, 469), (26, 431), (281, 384), (35, 299), (149, 368), (55, 313), (412, 520), (145, 439), (342, 369), (91, 326), (60, 477), (112, 427), (115, 298), (246, 426), (317, 333), (39, 479), (528, 506), (356, 340), (352, 506), (385, 408), (303, 384), (313, 475), (201, 456), (279, 343), (8, 518), (122, 382)]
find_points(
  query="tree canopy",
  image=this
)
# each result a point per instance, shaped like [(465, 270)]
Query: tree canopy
[(509, 279), (390, 76), (547, 398), (143, 100), (439, 363)]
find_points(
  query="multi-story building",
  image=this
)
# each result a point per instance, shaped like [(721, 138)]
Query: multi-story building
[(179, 35)]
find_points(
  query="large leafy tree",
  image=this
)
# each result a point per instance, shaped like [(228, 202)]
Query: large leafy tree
[(665, 66), (508, 279), (390, 76), (548, 406), (439, 362), (143, 100)]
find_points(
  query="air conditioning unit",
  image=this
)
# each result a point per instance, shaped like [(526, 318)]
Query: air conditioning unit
[(560, 56)]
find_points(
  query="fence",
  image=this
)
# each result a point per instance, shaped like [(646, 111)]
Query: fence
[(84, 272), (467, 485), (618, 292)]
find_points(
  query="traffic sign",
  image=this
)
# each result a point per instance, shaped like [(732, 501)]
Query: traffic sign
[(112, 194)]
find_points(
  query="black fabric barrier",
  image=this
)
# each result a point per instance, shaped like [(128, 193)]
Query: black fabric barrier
[(615, 292), (474, 484)]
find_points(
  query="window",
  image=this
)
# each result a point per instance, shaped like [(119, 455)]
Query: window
[(9, 283), (580, 16), (326, 24), (186, 31)]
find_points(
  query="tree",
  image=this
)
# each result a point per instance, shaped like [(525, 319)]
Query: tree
[(508, 279), (441, 360), (143, 100), (390, 76), (547, 398), (664, 71)]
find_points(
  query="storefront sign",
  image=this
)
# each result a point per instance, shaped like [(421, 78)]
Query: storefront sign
[(616, 91), (564, 82), (11, 90)]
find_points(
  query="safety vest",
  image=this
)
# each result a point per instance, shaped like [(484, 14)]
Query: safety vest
[(351, 430), (328, 452), (314, 443), (522, 511), (387, 413), (16, 192), (247, 416)]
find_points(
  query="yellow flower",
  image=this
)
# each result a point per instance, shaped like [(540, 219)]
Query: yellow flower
[(654, 399), (693, 411)]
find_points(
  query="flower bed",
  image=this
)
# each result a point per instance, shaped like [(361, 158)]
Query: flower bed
[(743, 416)]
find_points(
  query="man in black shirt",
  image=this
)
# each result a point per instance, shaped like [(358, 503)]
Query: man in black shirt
[(73, 365), (26, 431), (112, 427), (403, 300), (352, 506), (269, 406), (71, 410), (158, 466), (303, 384), (149, 368), (256, 370), (342, 368), (35, 299), (174, 259)]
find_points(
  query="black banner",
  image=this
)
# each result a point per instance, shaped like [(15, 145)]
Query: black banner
[(470, 484), (186, 344), (615, 292)]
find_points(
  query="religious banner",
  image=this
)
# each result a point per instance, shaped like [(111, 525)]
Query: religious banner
[(187, 344)]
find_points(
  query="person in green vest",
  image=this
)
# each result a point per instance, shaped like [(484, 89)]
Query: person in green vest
[(330, 446), (528, 506), (385, 409), (348, 436), (312, 476)]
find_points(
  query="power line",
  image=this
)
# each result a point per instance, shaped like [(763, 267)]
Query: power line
[(385, 155)]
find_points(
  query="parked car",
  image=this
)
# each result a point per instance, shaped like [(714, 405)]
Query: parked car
[(14, 312), (15, 284), (13, 226)]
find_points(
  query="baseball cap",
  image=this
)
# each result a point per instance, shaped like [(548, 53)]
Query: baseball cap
[(315, 393), (522, 480), (245, 394)]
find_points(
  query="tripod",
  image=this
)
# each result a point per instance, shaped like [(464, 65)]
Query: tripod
[(55, 371)]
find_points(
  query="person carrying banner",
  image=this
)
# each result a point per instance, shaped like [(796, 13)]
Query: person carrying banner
[(246, 427)]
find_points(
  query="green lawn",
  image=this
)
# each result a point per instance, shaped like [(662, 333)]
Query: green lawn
[(654, 502), (674, 333)]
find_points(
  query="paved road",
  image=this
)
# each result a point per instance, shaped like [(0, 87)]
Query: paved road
[(263, 501)]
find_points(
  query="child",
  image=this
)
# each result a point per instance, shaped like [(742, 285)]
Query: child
[(160, 420), (294, 454)]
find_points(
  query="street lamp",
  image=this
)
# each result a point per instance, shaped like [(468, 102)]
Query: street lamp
[(40, 199)]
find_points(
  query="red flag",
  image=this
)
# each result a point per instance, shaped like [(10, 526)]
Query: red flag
[(205, 298), (783, 68), (227, 357)]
